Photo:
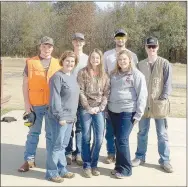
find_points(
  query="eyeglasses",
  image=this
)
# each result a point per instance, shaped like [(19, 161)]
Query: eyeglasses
[(120, 37), (151, 46)]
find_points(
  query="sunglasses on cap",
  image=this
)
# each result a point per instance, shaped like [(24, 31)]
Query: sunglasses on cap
[(120, 37), (151, 46)]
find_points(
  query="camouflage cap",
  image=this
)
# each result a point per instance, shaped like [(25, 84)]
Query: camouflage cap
[(46, 40)]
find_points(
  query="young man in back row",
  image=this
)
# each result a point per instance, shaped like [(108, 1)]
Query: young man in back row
[(78, 42), (110, 60)]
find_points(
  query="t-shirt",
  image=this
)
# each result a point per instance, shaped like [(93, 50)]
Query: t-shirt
[(110, 60), (82, 63)]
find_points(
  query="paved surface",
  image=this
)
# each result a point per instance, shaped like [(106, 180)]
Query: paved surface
[(13, 136)]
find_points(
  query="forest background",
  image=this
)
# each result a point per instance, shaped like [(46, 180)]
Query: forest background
[(24, 23)]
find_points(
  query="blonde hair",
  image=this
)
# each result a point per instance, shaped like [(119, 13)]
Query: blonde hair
[(118, 68), (100, 66), (68, 54)]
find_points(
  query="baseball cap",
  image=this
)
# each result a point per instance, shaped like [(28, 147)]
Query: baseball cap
[(46, 40), (151, 41), (120, 32), (78, 35)]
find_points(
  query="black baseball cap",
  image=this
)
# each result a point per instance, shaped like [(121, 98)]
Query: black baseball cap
[(151, 41), (120, 32)]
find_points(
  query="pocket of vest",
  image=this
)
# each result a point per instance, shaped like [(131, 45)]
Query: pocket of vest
[(36, 97), (161, 108)]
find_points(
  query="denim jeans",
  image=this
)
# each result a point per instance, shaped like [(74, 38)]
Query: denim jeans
[(56, 161), (109, 136), (162, 136), (90, 157), (122, 124), (78, 137), (34, 132)]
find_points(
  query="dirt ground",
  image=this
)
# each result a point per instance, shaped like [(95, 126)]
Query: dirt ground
[(13, 70)]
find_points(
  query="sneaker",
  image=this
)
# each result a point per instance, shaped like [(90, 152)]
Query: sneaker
[(56, 179), (136, 162), (95, 172), (113, 172), (110, 159), (167, 167), (87, 173), (69, 175), (79, 160), (119, 175), (25, 167), (69, 159)]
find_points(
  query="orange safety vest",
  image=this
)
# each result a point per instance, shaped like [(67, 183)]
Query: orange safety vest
[(38, 80)]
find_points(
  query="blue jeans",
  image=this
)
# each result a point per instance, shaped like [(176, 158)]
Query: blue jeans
[(109, 136), (78, 137), (56, 161), (162, 136), (122, 124), (90, 157), (34, 132)]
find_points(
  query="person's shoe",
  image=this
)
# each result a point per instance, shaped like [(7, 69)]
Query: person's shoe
[(87, 173), (95, 172), (69, 175), (56, 179), (69, 159), (25, 167), (110, 159), (136, 162), (167, 167), (79, 160), (113, 172), (119, 175)]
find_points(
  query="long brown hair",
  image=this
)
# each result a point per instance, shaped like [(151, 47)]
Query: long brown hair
[(118, 68), (101, 71)]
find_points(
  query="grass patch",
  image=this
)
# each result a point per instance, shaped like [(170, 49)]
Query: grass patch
[(178, 103), (5, 110)]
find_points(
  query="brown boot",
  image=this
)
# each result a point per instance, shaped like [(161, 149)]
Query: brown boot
[(110, 159), (25, 167), (56, 179)]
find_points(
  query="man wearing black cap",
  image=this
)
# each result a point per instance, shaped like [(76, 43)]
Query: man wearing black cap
[(78, 42), (37, 73), (158, 74), (120, 38)]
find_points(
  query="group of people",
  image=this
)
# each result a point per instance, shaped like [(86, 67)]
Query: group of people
[(104, 95)]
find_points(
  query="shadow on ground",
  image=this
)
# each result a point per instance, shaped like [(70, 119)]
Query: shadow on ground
[(12, 159)]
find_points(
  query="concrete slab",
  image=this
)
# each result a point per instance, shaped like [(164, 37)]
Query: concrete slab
[(13, 137)]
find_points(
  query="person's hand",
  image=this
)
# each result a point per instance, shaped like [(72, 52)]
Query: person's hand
[(135, 122), (162, 98), (92, 111), (63, 122), (96, 109), (28, 108)]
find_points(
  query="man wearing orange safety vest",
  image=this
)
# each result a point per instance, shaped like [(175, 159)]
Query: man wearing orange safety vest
[(37, 73)]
